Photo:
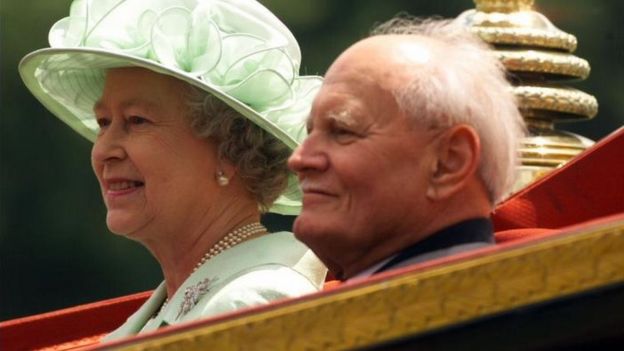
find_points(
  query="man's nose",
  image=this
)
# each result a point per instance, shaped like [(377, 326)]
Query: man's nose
[(309, 156)]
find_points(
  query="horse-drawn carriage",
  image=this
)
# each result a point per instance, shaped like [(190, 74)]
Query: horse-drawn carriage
[(555, 278)]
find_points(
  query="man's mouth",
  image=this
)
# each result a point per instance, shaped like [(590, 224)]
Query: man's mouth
[(311, 189)]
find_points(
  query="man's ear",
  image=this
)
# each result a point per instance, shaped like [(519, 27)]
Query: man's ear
[(457, 153)]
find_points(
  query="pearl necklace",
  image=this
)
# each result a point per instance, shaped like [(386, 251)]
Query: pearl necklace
[(232, 239)]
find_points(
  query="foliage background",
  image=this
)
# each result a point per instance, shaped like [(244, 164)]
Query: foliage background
[(55, 250)]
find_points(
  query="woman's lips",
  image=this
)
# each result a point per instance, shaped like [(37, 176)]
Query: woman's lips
[(117, 187)]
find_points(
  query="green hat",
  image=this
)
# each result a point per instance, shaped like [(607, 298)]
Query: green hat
[(236, 50)]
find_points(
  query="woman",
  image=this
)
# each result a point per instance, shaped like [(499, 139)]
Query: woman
[(194, 108)]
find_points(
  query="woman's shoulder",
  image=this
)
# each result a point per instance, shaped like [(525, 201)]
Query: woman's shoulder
[(275, 249), (276, 243), (279, 249), (254, 287), (276, 266)]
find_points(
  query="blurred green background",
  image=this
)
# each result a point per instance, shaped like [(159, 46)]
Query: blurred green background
[(55, 250)]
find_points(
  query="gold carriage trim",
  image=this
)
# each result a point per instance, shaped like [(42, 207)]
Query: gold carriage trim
[(565, 65), (420, 301), (503, 5), (572, 102), (545, 160), (527, 37), (548, 152)]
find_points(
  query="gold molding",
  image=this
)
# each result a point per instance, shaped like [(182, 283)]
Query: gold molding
[(503, 6), (536, 61), (574, 103), (527, 37), (550, 148), (419, 301)]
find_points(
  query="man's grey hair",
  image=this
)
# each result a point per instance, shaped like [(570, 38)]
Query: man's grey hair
[(259, 157), (465, 83)]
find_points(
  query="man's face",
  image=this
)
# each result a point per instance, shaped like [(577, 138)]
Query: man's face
[(363, 169)]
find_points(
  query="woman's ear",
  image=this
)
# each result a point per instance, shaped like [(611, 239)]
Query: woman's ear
[(457, 158), (225, 171), (227, 168)]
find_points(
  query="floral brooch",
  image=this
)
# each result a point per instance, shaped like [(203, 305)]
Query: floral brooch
[(192, 295)]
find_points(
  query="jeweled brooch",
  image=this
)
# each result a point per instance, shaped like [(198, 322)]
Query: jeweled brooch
[(192, 295)]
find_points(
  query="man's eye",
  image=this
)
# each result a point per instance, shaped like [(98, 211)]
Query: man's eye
[(137, 120), (343, 132), (344, 135)]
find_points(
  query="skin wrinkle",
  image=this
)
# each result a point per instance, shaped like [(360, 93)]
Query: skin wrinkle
[(180, 211), (372, 211)]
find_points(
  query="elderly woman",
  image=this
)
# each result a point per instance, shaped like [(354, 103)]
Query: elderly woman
[(193, 108)]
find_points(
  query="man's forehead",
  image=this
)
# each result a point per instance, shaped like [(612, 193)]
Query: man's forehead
[(348, 103), (334, 103), (387, 61), (397, 46)]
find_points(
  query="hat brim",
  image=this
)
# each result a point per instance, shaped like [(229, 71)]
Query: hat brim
[(68, 82), (83, 72)]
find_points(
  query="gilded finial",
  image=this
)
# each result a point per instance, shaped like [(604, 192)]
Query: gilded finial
[(540, 58), (504, 6)]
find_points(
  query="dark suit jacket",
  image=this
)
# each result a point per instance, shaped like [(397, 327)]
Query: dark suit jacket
[(463, 236)]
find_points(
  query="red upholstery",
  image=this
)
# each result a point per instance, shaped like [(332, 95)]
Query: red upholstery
[(331, 284), (69, 328), (521, 233), (588, 187)]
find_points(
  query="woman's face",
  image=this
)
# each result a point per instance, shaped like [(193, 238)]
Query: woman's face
[(156, 176)]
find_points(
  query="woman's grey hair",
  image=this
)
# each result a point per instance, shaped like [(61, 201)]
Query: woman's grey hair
[(465, 84), (259, 157)]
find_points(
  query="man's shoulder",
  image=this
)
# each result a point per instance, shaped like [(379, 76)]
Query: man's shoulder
[(466, 235), (438, 254)]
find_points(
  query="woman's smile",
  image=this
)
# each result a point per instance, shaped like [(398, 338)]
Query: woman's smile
[(143, 140), (118, 193), (118, 187), (123, 185)]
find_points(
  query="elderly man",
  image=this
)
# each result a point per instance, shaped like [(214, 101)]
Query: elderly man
[(412, 140)]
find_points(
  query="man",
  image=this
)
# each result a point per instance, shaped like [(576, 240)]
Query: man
[(412, 140)]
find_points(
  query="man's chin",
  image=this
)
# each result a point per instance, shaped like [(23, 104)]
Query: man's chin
[(307, 226)]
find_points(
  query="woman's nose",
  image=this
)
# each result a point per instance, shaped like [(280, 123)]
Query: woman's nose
[(108, 146), (308, 157)]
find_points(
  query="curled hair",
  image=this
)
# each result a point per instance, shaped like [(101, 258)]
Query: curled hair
[(259, 157), (464, 83)]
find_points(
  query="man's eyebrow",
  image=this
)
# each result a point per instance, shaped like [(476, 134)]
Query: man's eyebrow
[(342, 117)]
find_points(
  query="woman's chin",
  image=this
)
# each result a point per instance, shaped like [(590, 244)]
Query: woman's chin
[(115, 229), (119, 226)]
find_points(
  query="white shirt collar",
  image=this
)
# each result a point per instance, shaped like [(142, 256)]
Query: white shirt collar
[(370, 270)]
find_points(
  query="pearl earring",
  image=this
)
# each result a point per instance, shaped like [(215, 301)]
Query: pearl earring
[(222, 180)]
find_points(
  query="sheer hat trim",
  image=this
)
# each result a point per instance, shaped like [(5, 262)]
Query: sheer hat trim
[(236, 50)]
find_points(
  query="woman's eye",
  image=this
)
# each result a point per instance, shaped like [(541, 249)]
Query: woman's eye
[(103, 122)]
